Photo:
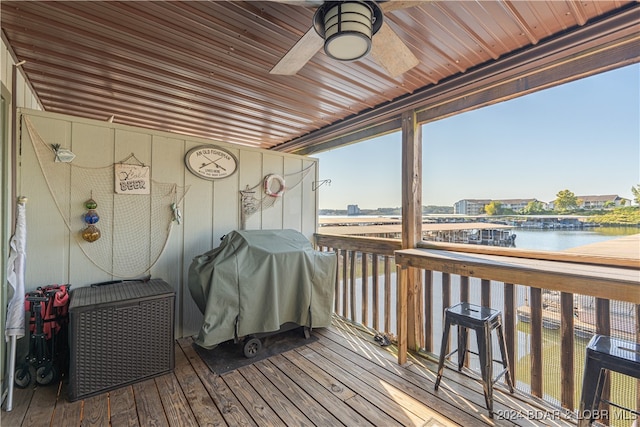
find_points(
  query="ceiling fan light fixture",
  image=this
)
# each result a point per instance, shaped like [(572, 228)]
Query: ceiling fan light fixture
[(347, 28)]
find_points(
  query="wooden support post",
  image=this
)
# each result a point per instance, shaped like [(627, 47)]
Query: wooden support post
[(412, 220)]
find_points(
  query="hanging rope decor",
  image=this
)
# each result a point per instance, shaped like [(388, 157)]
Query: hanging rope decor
[(135, 228)]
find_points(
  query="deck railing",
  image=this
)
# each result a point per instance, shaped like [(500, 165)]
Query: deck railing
[(549, 313)]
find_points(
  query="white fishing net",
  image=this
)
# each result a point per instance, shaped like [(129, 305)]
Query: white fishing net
[(134, 228), (268, 191)]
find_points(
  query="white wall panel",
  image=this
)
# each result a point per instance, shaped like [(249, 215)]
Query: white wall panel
[(167, 166), (272, 215), (210, 209), (94, 144)]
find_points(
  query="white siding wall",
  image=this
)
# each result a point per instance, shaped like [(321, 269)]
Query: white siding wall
[(210, 209)]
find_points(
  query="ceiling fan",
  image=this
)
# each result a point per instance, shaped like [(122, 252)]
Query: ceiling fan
[(349, 30)]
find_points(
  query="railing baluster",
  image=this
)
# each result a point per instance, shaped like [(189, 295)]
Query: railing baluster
[(387, 293), (485, 297), (637, 318), (345, 283), (603, 327), (567, 350), (446, 300), (536, 341), (464, 297), (374, 284), (401, 299), (365, 289), (464, 288), (510, 327), (352, 281), (428, 311), (337, 285)]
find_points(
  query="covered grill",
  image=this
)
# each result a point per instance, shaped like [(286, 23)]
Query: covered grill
[(256, 281)]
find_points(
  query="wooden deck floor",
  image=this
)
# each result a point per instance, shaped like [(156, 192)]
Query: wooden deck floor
[(344, 378)]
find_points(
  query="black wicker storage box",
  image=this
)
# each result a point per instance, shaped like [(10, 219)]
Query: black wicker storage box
[(120, 333)]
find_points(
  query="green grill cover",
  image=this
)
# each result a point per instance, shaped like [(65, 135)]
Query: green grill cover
[(264, 279)]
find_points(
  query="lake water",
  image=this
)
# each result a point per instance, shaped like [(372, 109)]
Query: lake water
[(558, 240)]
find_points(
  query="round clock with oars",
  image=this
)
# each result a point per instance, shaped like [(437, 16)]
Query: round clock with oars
[(210, 162)]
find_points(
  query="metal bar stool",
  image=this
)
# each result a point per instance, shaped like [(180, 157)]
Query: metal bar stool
[(482, 320), (605, 354)]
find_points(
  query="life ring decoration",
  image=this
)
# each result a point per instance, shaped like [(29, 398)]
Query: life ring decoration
[(274, 185)]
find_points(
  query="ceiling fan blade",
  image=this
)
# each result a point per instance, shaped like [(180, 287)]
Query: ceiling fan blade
[(391, 53), (299, 54)]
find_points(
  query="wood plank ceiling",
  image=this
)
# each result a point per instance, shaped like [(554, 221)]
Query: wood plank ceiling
[(201, 68)]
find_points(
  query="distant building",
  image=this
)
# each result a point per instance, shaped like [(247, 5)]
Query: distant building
[(470, 206), (515, 205), (601, 202), (598, 202), (353, 210), (476, 206)]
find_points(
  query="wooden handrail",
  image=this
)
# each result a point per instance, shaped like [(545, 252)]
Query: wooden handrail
[(614, 283), (533, 254), (374, 245)]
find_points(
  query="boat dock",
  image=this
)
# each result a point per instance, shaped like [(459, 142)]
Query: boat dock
[(480, 233)]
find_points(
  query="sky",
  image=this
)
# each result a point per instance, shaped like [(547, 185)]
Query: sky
[(582, 136)]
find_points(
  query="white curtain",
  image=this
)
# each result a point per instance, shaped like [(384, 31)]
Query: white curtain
[(15, 276), (14, 327)]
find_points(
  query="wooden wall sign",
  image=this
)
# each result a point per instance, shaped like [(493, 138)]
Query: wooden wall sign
[(132, 179)]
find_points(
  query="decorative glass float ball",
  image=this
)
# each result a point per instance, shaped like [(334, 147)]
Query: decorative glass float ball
[(90, 204), (91, 233), (91, 217)]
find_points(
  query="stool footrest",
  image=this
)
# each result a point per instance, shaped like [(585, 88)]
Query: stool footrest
[(451, 353)]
